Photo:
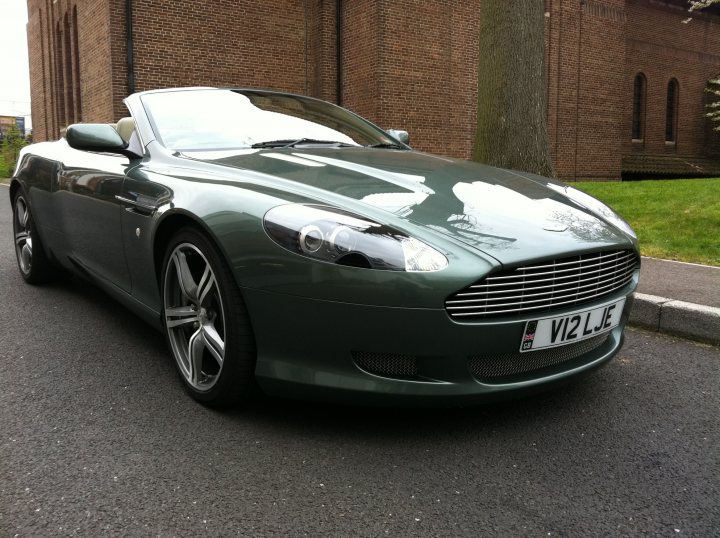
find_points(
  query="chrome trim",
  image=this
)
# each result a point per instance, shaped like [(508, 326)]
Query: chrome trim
[(519, 290), (136, 204), (525, 274), (551, 292)]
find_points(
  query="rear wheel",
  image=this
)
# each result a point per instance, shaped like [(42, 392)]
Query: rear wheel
[(206, 322), (34, 266)]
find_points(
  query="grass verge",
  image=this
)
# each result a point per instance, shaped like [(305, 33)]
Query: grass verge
[(674, 219)]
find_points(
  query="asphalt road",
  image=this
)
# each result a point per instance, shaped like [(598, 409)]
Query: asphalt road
[(97, 437)]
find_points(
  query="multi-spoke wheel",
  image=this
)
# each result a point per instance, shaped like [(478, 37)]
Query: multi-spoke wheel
[(32, 262), (206, 322)]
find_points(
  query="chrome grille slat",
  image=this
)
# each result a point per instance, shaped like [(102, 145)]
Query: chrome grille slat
[(524, 277), (535, 301), (514, 310), (572, 280), (561, 264), (573, 285)]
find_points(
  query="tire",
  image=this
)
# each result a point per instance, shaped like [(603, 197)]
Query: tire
[(32, 261), (206, 323)]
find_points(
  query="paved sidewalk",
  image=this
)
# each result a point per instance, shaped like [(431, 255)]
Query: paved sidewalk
[(679, 298)]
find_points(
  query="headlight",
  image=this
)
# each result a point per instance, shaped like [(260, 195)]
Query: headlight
[(595, 206), (336, 236)]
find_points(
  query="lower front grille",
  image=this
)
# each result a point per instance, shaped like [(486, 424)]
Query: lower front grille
[(386, 364), (492, 367)]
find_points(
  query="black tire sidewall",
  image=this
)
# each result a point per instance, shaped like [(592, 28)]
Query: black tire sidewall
[(40, 269)]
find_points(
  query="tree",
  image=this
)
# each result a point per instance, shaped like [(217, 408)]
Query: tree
[(12, 143), (512, 127)]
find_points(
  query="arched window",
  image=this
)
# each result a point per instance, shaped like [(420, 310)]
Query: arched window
[(671, 111), (638, 118)]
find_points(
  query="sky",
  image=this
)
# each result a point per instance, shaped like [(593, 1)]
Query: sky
[(14, 71)]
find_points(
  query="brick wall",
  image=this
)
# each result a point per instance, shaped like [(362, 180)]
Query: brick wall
[(252, 43), (409, 65), (661, 47), (428, 57), (321, 60), (586, 54), (37, 58), (71, 65), (360, 50)]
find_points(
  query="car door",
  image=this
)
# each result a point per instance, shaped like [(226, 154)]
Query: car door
[(91, 214)]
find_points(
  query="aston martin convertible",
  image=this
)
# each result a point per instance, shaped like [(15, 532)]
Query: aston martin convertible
[(284, 244)]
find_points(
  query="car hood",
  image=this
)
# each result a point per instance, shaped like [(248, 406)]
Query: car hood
[(511, 216)]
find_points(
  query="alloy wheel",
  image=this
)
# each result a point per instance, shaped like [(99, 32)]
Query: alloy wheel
[(23, 235), (194, 316)]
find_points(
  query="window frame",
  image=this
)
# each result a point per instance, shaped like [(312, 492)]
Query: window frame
[(639, 105)]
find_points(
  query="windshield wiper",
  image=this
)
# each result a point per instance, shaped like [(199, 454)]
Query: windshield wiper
[(390, 145), (292, 143)]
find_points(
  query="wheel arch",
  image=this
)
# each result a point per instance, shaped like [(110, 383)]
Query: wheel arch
[(166, 228)]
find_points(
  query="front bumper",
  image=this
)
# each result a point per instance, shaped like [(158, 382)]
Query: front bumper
[(309, 349)]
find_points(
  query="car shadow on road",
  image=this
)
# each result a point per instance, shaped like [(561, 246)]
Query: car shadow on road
[(387, 422)]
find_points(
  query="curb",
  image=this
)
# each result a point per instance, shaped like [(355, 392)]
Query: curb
[(679, 318)]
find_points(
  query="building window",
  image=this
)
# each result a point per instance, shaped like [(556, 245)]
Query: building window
[(638, 118), (671, 112)]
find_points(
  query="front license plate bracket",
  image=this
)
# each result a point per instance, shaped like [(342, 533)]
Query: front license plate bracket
[(572, 327)]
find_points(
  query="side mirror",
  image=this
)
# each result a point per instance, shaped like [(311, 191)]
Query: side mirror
[(397, 134), (97, 137)]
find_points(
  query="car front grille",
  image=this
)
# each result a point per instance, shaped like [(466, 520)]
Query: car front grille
[(386, 364), (491, 367), (536, 288)]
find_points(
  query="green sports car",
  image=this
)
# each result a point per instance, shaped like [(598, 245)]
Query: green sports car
[(284, 243)]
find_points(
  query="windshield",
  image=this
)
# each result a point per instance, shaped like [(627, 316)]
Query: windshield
[(217, 119)]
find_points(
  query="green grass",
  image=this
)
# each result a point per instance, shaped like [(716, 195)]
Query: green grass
[(674, 219)]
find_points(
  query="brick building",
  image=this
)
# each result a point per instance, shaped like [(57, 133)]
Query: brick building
[(625, 78)]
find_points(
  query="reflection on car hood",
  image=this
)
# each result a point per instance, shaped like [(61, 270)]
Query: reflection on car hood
[(511, 216)]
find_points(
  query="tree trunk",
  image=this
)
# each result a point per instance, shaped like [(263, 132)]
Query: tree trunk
[(512, 95)]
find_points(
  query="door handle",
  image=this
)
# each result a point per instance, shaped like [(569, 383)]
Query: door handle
[(144, 207)]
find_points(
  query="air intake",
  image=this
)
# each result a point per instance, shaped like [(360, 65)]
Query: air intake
[(537, 288)]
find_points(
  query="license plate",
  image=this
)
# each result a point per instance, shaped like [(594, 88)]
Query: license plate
[(573, 327)]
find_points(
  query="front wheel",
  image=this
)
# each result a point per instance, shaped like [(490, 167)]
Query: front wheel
[(206, 322)]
